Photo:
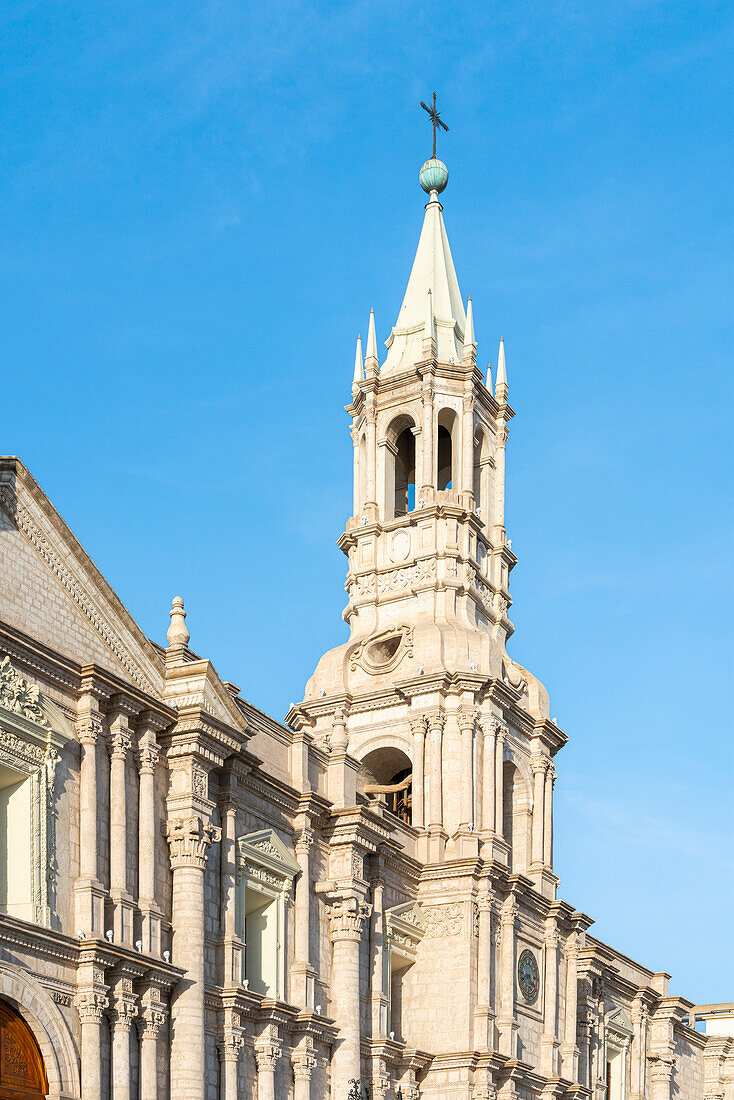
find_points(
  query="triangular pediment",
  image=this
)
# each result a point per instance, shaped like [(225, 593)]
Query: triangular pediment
[(266, 847), (51, 589)]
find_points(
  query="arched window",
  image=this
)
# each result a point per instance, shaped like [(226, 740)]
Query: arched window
[(405, 473), (387, 775), (445, 450)]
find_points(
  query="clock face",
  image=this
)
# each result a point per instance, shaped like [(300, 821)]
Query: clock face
[(528, 976)]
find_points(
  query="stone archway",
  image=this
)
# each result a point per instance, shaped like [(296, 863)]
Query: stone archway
[(22, 1069), (23, 993)]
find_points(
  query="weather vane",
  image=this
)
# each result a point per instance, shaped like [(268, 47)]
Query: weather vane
[(435, 119)]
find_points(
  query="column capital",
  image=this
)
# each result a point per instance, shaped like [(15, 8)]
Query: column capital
[(540, 763), (149, 756), (418, 725), (230, 1043), (347, 916), (492, 724), (120, 741), (268, 1048), (436, 721), (91, 1005), (88, 728), (509, 910), (467, 719), (189, 839), (124, 1005), (304, 842)]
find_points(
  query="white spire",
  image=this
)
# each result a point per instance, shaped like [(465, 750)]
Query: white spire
[(371, 361), (358, 363), (500, 389), (433, 269), (470, 344), (488, 383)]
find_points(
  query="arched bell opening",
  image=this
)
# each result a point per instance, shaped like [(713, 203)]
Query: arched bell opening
[(22, 1070), (386, 775), (515, 815), (399, 467), (446, 451)]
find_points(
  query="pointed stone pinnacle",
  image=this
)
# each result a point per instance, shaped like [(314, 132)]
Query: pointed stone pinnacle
[(371, 358), (470, 344), (358, 363), (500, 388)]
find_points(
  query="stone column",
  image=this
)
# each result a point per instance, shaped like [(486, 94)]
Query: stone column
[(489, 726), (124, 1011), (148, 831), (152, 1019), (89, 890), (91, 1005), (304, 1063), (661, 1068), (189, 839), (380, 995), (436, 724), (501, 437), (499, 774), (484, 1015), (120, 745), (347, 917), (467, 446), (506, 1022), (550, 778), (303, 974), (231, 942), (549, 1042), (569, 1050), (638, 1055), (371, 448), (467, 719), (230, 1044), (356, 500), (418, 729), (538, 764), (428, 477), (268, 1049)]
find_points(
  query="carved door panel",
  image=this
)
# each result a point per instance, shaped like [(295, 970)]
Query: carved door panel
[(22, 1073)]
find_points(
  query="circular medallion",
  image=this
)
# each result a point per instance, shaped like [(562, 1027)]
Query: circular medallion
[(400, 546), (528, 976)]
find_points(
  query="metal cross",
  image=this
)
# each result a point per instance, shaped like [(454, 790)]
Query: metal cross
[(435, 119)]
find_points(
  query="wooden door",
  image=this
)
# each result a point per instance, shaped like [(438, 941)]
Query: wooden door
[(22, 1073)]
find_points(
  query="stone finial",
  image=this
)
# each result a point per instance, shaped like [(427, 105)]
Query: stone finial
[(501, 383), (358, 363), (489, 377), (371, 362), (178, 635), (470, 343)]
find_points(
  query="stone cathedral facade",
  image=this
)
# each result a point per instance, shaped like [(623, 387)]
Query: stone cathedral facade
[(199, 902)]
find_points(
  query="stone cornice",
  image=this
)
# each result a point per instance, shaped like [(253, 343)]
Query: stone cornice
[(122, 959), (42, 941)]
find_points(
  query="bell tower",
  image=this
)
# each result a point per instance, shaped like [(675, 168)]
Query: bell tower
[(422, 710)]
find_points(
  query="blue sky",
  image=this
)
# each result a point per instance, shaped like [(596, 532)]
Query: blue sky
[(200, 204)]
